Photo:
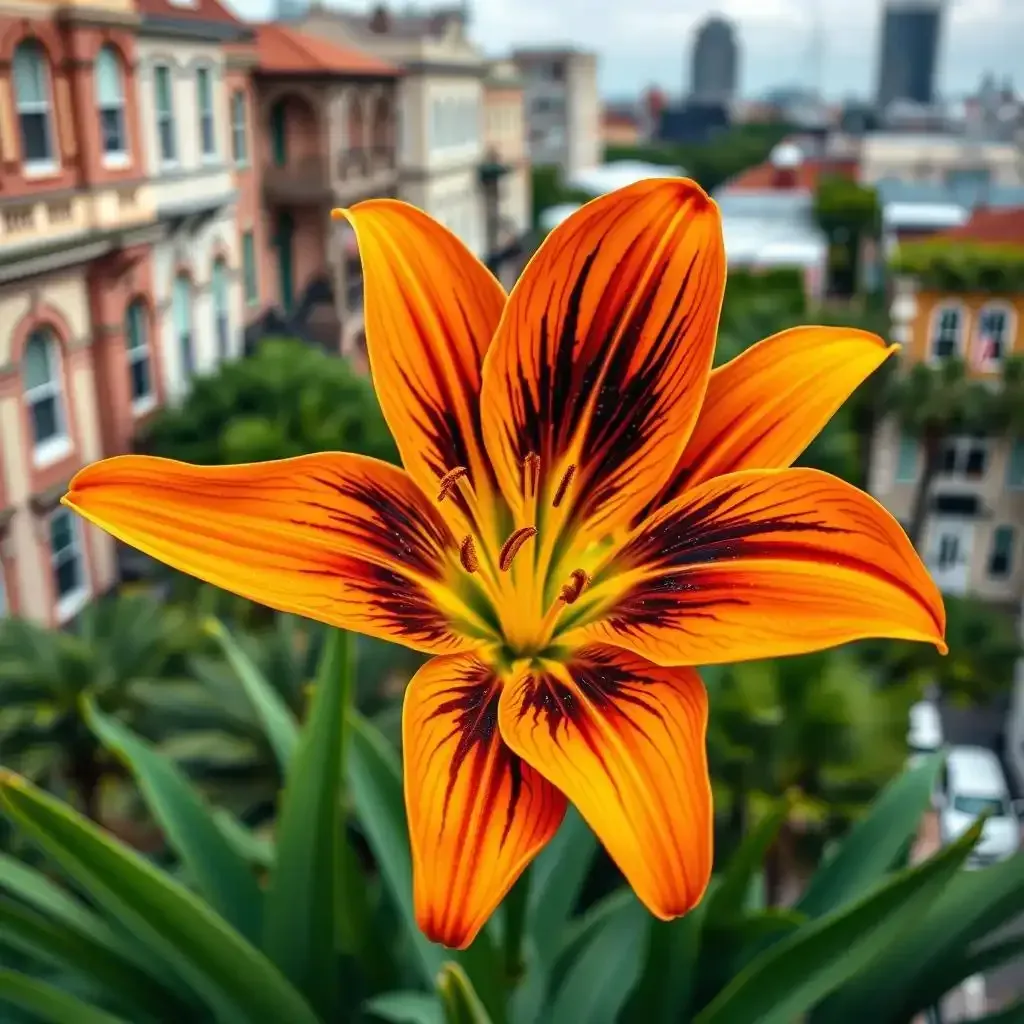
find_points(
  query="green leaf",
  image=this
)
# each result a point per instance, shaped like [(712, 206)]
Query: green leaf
[(406, 1008), (34, 935), (797, 973), (48, 1003), (236, 980), (299, 924), (875, 842), (213, 864), (730, 896), (252, 848), (375, 782), (609, 963), (458, 998), (276, 718)]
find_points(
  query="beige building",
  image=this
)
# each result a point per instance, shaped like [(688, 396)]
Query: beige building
[(939, 159), (563, 108), (441, 101)]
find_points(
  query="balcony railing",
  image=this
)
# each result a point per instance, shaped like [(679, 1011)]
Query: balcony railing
[(305, 180), (354, 164)]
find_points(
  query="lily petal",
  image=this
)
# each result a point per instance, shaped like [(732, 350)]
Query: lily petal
[(763, 408), (340, 538), (477, 814), (604, 351), (761, 564), (431, 309), (624, 740)]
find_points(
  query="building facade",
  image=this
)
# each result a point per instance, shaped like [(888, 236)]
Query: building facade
[(973, 537), (714, 62), (909, 53), (563, 108)]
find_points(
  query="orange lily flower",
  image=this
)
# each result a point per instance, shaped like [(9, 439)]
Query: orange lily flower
[(586, 511)]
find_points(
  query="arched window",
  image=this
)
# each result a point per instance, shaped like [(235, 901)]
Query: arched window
[(110, 102), (32, 102), (947, 331), (41, 380), (221, 316), (994, 335), (181, 308), (136, 344)]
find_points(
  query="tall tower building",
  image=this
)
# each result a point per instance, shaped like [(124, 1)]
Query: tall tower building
[(714, 62), (909, 57)]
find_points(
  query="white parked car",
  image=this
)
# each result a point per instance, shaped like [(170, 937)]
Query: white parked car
[(924, 732), (973, 783)]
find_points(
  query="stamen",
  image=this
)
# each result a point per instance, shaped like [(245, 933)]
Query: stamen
[(571, 591), (449, 480), (511, 547), (531, 472), (563, 486), (467, 555)]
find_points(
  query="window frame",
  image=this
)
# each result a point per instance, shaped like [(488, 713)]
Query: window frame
[(185, 339), (168, 117), (1013, 483), (68, 605), (206, 115), (43, 166), (1004, 531), (1006, 310), (962, 447), (905, 439), (141, 353), (114, 158), (250, 270), (239, 128), (58, 445), (220, 303), (935, 328)]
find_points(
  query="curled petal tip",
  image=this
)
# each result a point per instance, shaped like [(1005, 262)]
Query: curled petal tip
[(338, 213), (942, 647), (894, 348)]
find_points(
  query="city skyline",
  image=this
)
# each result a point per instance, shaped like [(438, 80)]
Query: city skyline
[(650, 43)]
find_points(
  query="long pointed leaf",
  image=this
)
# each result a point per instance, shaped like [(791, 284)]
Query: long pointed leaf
[(236, 980), (795, 974), (275, 716), (406, 1008), (874, 843), (300, 929), (219, 872), (458, 997), (48, 1003)]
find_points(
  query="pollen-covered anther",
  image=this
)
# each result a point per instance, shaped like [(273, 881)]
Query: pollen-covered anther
[(563, 486), (578, 581), (531, 472), (467, 554), (511, 547), (449, 480)]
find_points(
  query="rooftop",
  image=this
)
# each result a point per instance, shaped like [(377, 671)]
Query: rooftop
[(285, 51), (990, 227), (805, 175), (209, 11)]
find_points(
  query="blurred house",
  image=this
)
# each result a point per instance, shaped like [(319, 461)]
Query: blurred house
[(563, 107), (972, 541), (505, 174), (620, 126), (329, 115)]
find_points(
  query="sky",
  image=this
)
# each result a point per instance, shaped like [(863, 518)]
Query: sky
[(642, 42)]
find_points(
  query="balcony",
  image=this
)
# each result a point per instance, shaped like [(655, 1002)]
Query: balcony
[(301, 181)]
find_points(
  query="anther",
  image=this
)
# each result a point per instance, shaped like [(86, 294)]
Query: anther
[(511, 547), (467, 554), (531, 472), (571, 591), (449, 480), (563, 486)]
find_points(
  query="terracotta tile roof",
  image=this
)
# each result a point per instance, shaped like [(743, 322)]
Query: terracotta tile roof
[(994, 226), (198, 10), (805, 176), (286, 51)]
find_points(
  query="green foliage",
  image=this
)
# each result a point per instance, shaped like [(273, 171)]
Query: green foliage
[(287, 399), (843, 208), (331, 938), (960, 266)]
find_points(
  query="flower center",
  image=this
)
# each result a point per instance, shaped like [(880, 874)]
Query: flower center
[(513, 578)]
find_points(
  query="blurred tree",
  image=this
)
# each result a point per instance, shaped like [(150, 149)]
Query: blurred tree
[(287, 399), (115, 645), (848, 214), (549, 189)]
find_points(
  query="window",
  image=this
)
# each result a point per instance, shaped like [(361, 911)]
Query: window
[(1015, 466), (964, 456), (993, 336), (251, 283), (219, 292), (110, 102), (239, 147), (949, 551), (946, 332), (181, 307), (204, 90), (32, 103), (906, 462), (168, 143), (136, 339), (1000, 557), (68, 566), (41, 379)]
